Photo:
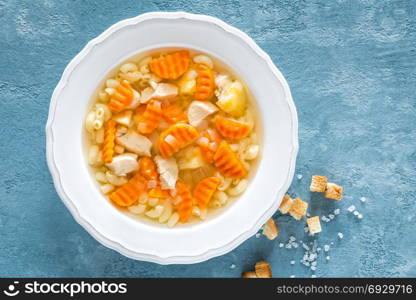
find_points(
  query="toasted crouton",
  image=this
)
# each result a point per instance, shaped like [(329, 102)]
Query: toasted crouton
[(314, 225), (318, 184), (298, 209), (333, 191), (249, 274), (263, 270), (286, 204), (270, 229)]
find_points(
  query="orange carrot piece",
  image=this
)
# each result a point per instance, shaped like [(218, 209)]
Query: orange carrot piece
[(151, 117), (210, 144), (170, 66), (147, 168), (108, 143), (175, 138), (204, 89), (157, 192), (130, 192), (233, 129), (122, 98), (173, 113), (227, 162), (184, 207), (204, 190)]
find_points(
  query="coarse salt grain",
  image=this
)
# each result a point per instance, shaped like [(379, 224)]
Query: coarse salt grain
[(331, 216), (313, 268), (328, 258), (292, 262), (326, 248), (299, 176), (351, 208), (281, 245), (313, 276), (356, 212), (340, 235), (360, 216), (305, 247), (292, 238), (232, 266), (363, 199), (258, 235), (292, 276), (336, 211)]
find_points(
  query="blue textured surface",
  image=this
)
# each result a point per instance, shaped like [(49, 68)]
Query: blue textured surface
[(351, 66)]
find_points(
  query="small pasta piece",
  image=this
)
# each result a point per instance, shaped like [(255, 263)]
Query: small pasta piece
[(184, 207), (122, 97), (181, 136), (155, 212), (204, 190), (97, 124), (100, 176), (109, 138), (89, 122), (152, 201), (99, 136), (221, 196), (143, 199), (103, 111), (208, 143), (167, 211), (232, 129), (251, 152), (205, 84), (137, 209), (174, 218), (103, 96), (106, 188), (144, 65), (147, 169), (128, 67), (227, 162), (111, 83), (93, 153), (238, 189), (114, 179), (130, 192), (170, 66), (203, 59), (151, 117)]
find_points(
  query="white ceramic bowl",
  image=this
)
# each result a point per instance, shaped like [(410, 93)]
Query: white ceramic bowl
[(199, 241)]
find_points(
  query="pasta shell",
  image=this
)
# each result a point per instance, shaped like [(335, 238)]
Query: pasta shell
[(151, 117), (175, 138), (232, 129), (122, 97), (108, 143), (184, 207), (147, 168), (227, 162), (130, 192), (204, 83), (204, 190), (170, 66)]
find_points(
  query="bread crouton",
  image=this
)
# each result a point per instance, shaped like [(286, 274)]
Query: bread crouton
[(318, 184), (298, 209), (270, 229), (286, 204), (263, 270), (333, 191), (249, 274), (314, 225)]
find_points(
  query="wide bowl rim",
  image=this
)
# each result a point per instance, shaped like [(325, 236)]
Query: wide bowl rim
[(212, 252)]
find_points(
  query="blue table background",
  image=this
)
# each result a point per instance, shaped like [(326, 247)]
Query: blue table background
[(351, 66)]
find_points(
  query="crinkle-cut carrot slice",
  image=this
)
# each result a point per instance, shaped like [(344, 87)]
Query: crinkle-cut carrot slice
[(175, 138), (151, 117), (227, 162), (184, 207), (157, 192), (147, 168), (130, 192), (204, 190), (108, 143), (208, 143), (173, 113), (122, 97), (170, 66), (204, 89), (232, 129)]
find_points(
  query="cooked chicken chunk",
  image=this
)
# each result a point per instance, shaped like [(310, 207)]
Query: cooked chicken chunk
[(199, 110), (168, 171), (135, 143), (123, 164), (165, 91)]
